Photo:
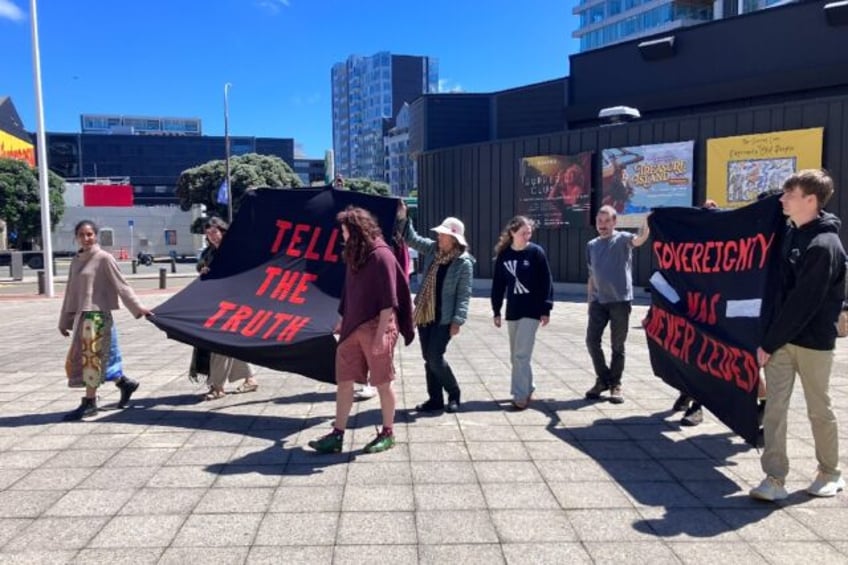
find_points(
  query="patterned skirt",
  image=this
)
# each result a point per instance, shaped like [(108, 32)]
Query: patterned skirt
[(94, 355)]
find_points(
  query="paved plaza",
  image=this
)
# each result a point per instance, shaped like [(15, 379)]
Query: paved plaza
[(174, 479)]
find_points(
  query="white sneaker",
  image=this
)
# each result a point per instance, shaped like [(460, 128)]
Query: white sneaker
[(771, 489), (826, 485), (365, 393)]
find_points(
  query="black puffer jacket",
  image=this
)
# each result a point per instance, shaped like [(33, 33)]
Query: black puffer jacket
[(812, 287)]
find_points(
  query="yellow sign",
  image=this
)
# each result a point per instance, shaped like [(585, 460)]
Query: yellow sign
[(12, 147), (741, 167)]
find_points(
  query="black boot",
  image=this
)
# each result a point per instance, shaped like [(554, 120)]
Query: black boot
[(88, 407), (127, 387)]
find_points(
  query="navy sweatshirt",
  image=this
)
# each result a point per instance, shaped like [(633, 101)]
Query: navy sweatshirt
[(525, 278)]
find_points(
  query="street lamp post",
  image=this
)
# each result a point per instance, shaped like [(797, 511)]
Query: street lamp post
[(227, 150), (43, 180)]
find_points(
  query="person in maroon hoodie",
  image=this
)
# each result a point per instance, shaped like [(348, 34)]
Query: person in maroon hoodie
[(375, 306)]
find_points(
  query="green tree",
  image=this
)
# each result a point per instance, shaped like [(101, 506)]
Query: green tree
[(19, 199), (359, 184), (199, 185)]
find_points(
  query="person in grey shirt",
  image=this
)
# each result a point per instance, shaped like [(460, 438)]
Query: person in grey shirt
[(610, 259)]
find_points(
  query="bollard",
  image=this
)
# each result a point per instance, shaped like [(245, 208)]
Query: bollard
[(163, 278), (42, 286), (173, 264), (135, 266)]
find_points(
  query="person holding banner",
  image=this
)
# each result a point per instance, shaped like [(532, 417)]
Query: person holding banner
[(218, 368), (801, 335), (441, 306), (523, 274), (375, 306), (610, 292), (94, 285)]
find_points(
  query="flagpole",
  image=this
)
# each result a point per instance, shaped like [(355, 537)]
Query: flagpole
[(41, 143), (227, 149)]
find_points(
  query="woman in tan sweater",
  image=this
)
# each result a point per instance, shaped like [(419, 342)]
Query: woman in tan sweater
[(94, 284)]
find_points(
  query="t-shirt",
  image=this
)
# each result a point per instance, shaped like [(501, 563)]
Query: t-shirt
[(611, 267), (372, 288)]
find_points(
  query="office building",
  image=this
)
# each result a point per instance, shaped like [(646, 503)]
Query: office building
[(604, 22), (152, 163), (139, 125), (400, 168), (367, 93)]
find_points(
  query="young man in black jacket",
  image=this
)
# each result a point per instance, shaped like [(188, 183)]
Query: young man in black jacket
[(802, 334)]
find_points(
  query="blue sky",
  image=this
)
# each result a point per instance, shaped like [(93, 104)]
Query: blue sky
[(172, 57)]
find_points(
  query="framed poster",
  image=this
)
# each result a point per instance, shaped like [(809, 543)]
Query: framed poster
[(743, 166), (554, 190), (637, 179)]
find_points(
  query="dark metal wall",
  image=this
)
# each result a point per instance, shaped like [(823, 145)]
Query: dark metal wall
[(782, 50), (531, 110), (477, 182)]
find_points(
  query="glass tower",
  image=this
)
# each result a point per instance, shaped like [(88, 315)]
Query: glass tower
[(367, 93), (604, 22)]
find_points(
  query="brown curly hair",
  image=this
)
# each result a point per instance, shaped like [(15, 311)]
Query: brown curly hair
[(505, 238), (363, 230)]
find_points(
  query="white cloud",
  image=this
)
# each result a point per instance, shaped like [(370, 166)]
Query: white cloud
[(446, 86), (9, 11), (300, 100), (272, 6)]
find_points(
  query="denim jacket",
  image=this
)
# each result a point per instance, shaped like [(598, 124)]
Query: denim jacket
[(456, 291)]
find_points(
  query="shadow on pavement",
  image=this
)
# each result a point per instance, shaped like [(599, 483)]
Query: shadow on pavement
[(686, 487)]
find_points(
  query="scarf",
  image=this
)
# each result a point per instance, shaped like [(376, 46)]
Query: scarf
[(425, 302)]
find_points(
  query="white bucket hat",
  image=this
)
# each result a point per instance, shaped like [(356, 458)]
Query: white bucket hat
[(454, 227)]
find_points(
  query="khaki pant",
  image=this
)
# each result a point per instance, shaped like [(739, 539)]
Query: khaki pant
[(813, 367)]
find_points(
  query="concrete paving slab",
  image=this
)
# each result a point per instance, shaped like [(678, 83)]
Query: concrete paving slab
[(174, 479)]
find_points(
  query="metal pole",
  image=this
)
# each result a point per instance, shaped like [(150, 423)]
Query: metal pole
[(227, 150), (41, 142)]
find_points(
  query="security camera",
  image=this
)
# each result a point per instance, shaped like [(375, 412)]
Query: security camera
[(619, 114)]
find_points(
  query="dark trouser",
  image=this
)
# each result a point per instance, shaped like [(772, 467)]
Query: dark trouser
[(434, 341), (617, 315)]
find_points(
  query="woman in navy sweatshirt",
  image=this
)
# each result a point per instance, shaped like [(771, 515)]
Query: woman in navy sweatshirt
[(522, 274)]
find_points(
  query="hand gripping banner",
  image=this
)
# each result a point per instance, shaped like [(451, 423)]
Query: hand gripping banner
[(710, 303), (272, 293)]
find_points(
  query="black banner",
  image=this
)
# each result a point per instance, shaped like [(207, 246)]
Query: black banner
[(272, 294), (709, 306)]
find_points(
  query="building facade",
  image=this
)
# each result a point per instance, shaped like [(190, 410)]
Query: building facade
[(310, 171), (367, 93), (763, 85), (152, 163), (400, 168), (605, 22), (139, 125)]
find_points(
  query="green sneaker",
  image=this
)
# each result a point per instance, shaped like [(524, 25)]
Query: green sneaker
[(330, 443), (382, 442)]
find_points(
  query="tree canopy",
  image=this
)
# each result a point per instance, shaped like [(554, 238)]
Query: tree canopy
[(20, 205), (200, 185), (358, 184)]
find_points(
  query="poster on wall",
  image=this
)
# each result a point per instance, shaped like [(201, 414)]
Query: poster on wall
[(12, 147), (743, 166), (554, 190), (637, 179)]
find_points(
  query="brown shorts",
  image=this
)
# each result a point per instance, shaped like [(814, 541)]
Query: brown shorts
[(354, 356)]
